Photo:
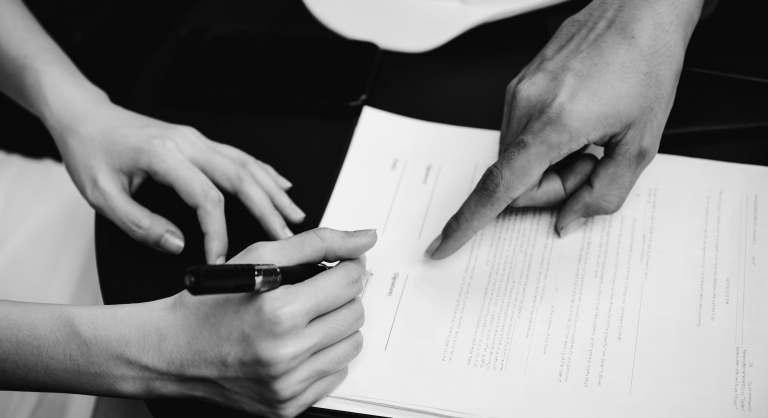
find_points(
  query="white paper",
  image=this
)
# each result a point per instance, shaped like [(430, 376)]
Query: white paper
[(658, 310)]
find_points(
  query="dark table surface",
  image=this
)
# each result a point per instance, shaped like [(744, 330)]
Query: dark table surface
[(721, 112)]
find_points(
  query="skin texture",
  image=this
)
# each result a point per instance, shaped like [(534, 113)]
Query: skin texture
[(292, 351), (109, 151), (110, 155), (607, 77), (295, 346)]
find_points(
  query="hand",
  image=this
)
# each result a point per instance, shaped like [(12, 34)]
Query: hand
[(110, 151), (272, 354), (608, 77), (276, 353)]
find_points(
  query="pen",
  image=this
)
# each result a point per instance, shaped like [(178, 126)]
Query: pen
[(244, 278)]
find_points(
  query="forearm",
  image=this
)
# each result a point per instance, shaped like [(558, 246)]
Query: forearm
[(36, 73), (97, 350)]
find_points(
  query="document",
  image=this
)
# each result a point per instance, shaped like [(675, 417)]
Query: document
[(658, 310)]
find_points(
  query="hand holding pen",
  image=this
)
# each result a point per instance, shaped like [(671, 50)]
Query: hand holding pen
[(286, 348), (215, 279)]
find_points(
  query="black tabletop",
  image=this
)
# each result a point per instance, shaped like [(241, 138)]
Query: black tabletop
[(720, 113)]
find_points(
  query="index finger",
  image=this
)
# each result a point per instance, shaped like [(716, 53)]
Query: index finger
[(328, 290), (313, 246), (518, 168), (197, 191)]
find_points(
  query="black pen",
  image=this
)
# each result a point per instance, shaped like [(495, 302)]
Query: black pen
[(244, 278)]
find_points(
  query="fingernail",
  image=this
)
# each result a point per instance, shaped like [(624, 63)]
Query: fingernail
[(286, 184), (572, 226), (433, 246), (221, 260), (287, 232), (297, 211), (172, 242), (363, 233)]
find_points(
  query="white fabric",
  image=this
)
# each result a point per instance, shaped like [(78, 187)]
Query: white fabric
[(47, 255), (414, 25)]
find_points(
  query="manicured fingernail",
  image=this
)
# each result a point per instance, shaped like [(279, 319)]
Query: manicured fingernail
[(285, 183), (433, 246), (363, 233), (572, 226), (287, 232), (221, 260), (172, 242), (297, 211)]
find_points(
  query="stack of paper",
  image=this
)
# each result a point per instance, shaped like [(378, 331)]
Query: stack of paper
[(658, 310)]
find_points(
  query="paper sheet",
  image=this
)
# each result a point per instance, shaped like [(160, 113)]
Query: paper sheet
[(658, 310)]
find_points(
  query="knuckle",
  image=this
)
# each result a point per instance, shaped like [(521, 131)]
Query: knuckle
[(257, 250), (243, 178), (357, 345), (322, 235), (512, 150), (550, 105), (641, 155), (493, 184), (563, 114), (273, 366), (352, 274), (283, 390), (608, 203), (185, 132), (163, 146), (284, 318), (457, 221), (97, 192), (529, 89), (358, 313), (213, 197), (317, 241), (137, 226), (287, 410), (277, 361), (342, 374), (524, 92), (560, 115), (644, 155), (509, 91)]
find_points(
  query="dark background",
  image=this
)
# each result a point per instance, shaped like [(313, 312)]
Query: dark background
[(112, 41), (721, 110)]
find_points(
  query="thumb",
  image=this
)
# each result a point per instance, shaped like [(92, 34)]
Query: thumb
[(313, 246), (141, 224), (607, 187)]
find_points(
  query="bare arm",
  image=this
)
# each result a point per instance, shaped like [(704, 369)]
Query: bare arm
[(35, 71), (109, 151), (272, 354), (94, 350)]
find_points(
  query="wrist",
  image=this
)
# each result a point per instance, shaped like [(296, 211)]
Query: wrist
[(65, 105), (156, 351), (649, 22), (95, 350), (190, 348), (133, 342), (159, 352)]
